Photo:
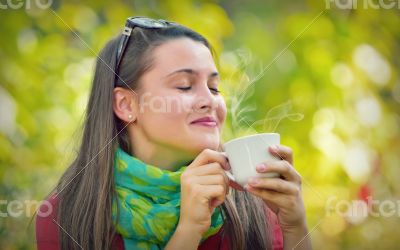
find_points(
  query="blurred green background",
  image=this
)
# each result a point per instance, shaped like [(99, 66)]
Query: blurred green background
[(329, 74)]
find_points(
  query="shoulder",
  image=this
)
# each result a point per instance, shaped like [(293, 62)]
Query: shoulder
[(46, 228)]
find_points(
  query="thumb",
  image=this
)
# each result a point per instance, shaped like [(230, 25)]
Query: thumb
[(215, 202)]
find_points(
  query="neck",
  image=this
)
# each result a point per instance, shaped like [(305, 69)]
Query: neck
[(163, 157)]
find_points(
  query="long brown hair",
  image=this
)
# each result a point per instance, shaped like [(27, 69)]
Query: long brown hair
[(86, 189)]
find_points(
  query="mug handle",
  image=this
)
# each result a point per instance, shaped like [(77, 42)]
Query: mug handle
[(234, 184), (230, 176)]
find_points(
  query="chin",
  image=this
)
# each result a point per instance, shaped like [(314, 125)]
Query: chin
[(210, 144)]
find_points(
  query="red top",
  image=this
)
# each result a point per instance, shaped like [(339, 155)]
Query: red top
[(47, 231)]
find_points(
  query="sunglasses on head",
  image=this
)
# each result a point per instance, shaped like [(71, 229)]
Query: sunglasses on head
[(131, 23)]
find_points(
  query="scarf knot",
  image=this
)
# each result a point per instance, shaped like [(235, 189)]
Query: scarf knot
[(148, 203)]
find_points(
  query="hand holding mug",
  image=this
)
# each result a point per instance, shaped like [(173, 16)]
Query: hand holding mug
[(264, 168), (282, 194)]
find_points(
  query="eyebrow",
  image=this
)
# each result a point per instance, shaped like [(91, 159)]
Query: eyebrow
[(192, 72)]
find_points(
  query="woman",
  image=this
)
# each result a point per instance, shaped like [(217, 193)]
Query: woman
[(149, 173)]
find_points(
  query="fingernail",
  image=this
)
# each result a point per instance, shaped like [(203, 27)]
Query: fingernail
[(274, 148), (228, 166), (249, 188), (261, 167)]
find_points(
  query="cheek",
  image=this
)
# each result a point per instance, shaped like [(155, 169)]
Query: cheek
[(181, 107), (221, 109), (166, 110)]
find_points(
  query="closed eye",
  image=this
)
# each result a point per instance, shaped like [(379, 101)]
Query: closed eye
[(184, 88), (214, 90)]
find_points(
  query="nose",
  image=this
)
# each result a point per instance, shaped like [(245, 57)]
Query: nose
[(205, 100)]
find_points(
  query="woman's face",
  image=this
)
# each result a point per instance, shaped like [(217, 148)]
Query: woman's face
[(180, 88)]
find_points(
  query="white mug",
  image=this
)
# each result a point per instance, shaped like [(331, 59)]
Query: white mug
[(245, 153)]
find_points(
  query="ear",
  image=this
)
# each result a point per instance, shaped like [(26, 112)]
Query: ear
[(124, 104)]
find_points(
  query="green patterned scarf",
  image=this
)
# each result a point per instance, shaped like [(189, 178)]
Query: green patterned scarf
[(148, 199)]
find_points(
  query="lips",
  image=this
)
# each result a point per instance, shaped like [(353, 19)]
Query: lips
[(205, 121)]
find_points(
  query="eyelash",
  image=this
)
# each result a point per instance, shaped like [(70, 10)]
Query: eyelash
[(188, 88)]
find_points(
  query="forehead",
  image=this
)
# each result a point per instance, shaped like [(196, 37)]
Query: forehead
[(182, 53)]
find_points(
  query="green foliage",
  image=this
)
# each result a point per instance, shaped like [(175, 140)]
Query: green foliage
[(327, 80)]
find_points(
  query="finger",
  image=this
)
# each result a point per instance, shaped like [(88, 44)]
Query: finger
[(209, 156), (216, 179), (208, 169), (275, 184), (281, 167), (214, 192), (283, 152)]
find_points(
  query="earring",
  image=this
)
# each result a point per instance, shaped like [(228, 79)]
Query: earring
[(130, 117)]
